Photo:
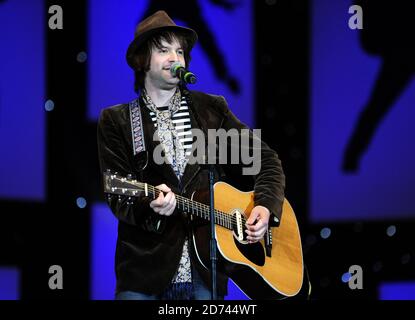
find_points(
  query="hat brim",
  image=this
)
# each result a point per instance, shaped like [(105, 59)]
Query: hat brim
[(190, 34)]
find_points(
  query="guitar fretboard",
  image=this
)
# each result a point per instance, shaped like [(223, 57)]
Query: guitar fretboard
[(125, 186), (196, 208)]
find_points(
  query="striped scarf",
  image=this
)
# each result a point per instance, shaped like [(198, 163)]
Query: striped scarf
[(167, 133)]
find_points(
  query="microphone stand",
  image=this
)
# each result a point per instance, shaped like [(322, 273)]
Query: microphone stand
[(213, 244)]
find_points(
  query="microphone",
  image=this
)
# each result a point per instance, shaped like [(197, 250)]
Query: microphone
[(177, 70)]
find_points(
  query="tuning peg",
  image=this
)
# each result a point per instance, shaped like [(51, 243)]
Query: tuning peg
[(108, 170), (119, 198), (109, 197), (129, 176)]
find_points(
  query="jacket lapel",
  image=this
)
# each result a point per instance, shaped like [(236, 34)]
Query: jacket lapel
[(191, 170), (202, 118)]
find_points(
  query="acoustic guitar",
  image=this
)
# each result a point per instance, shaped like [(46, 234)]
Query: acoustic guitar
[(269, 269)]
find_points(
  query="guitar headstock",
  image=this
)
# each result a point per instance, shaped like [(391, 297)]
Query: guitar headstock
[(116, 184)]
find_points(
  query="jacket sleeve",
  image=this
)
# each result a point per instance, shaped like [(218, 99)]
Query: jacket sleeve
[(113, 155), (263, 163)]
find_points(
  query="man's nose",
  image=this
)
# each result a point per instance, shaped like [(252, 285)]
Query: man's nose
[(173, 56)]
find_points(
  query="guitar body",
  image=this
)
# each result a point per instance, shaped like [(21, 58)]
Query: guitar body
[(259, 276)]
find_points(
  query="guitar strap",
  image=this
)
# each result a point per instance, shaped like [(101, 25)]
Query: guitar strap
[(153, 223), (136, 127)]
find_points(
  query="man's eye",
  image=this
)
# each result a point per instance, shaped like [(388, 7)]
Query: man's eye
[(180, 52), (163, 50)]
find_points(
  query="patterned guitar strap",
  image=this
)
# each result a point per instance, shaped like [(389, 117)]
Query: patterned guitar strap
[(136, 127)]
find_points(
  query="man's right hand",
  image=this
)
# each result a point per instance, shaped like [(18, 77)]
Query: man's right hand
[(164, 205)]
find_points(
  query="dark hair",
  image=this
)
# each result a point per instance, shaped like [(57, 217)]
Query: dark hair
[(143, 54)]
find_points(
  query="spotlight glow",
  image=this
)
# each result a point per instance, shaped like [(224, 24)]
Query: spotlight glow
[(325, 233), (49, 105), (81, 202), (391, 231)]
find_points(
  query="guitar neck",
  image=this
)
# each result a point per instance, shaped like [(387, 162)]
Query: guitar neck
[(115, 184)]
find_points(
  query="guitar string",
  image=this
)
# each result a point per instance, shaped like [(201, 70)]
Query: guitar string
[(221, 216)]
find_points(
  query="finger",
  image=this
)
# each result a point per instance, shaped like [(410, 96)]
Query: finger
[(167, 199), (167, 206), (259, 225), (156, 209), (158, 201), (253, 234), (163, 188), (172, 201), (252, 218), (254, 227), (168, 209), (257, 233), (252, 239), (255, 238)]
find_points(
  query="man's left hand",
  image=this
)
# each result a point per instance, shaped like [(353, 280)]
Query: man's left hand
[(257, 224)]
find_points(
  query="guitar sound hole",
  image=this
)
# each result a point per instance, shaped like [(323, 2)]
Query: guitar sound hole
[(254, 252)]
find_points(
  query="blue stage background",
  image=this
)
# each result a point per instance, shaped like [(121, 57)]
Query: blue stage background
[(342, 77)]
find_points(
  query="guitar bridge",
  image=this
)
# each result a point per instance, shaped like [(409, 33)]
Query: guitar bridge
[(239, 226)]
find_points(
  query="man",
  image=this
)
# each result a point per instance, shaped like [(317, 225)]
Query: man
[(155, 258)]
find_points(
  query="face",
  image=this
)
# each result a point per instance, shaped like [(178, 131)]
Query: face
[(162, 58)]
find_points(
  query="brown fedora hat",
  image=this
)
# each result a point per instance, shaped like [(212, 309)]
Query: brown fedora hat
[(155, 23)]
